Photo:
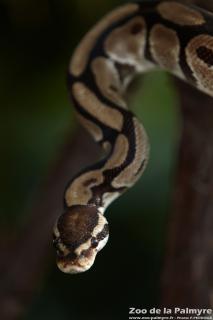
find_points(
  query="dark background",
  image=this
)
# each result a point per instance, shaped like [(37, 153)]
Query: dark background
[(37, 39)]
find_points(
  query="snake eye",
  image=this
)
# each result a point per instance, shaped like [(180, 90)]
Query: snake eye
[(94, 242)]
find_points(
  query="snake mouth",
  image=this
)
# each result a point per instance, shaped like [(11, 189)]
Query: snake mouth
[(72, 263), (79, 264)]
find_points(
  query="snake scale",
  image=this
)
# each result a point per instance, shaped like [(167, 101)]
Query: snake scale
[(134, 38)]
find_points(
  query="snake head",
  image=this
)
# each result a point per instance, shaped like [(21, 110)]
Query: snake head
[(78, 235)]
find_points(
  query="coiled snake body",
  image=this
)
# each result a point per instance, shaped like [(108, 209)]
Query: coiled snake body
[(132, 39)]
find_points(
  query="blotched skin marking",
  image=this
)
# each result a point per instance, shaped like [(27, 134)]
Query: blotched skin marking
[(206, 55), (107, 79), (119, 154), (104, 113), (90, 126), (162, 38), (126, 44), (180, 14), (82, 52), (79, 194), (131, 173), (200, 68), (98, 228)]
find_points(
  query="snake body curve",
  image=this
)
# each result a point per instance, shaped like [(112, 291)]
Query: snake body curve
[(134, 38)]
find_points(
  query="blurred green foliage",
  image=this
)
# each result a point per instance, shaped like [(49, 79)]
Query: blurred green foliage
[(37, 39)]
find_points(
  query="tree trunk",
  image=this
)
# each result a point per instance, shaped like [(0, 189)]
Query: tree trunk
[(187, 279)]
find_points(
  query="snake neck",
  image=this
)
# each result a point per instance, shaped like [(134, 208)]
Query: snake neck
[(126, 158)]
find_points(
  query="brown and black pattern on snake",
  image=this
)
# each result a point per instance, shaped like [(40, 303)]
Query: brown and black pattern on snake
[(199, 55), (132, 39)]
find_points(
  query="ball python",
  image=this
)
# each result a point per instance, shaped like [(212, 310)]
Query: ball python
[(134, 38)]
